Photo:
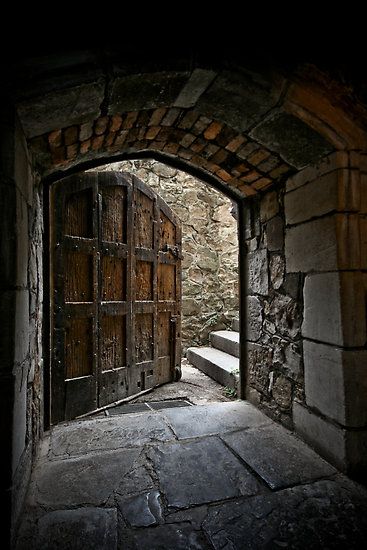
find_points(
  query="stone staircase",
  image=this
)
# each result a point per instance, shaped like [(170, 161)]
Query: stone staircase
[(221, 360)]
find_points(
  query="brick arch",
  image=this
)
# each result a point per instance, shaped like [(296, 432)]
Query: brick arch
[(206, 145), (245, 132)]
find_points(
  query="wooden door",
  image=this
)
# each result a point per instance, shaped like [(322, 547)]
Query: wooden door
[(115, 292)]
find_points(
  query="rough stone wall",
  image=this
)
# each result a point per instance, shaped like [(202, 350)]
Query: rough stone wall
[(275, 309), (29, 386), (209, 245), (326, 242), (21, 314)]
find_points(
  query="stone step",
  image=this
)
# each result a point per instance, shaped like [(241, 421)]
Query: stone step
[(216, 364), (236, 324), (226, 340)]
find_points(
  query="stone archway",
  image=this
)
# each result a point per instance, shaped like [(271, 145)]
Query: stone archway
[(248, 133)]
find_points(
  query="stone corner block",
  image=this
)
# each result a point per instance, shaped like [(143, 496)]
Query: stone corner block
[(333, 161), (335, 308), (326, 438), (325, 244), (335, 191), (336, 382)]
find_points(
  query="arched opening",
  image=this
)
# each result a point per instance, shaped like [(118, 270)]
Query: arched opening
[(275, 142)]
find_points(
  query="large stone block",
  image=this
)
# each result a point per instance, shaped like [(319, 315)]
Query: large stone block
[(146, 91), (338, 159), (240, 100), (343, 448), (324, 244), (296, 142), (61, 108), (335, 191), (258, 282), (326, 438), (336, 382), (335, 308), (198, 82)]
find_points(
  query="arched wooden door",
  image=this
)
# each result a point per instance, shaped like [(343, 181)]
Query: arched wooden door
[(115, 292)]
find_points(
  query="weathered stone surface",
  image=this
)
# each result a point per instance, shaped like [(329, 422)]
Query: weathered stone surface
[(217, 364), (258, 272), (226, 100), (93, 528), (324, 244), (22, 232), (312, 246), (278, 456), (196, 472), (282, 392), (195, 516), (334, 161), (179, 536), (284, 313), (293, 285), (61, 108), (254, 318), (142, 91), (297, 143), (326, 514), (293, 361), (277, 269), (335, 191), (215, 418), (141, 510), (336, 382), (135, 481), (326, 438), (21, 326), (259, 365), (81, 481), (269, 206), (275, 234), (19, 416), (108, 433), (227, 341), (198, 82), (335, 309)]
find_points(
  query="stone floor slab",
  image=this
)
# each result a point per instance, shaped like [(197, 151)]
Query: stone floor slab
[(81, 481), (141, 510), (325, 514), (197, 472), (280, 458), (108, 433), (163, 537), (214, 418), (92, 528)]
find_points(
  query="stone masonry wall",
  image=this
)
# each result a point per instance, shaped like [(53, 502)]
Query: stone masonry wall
[(275, 309), (209, 246), (21, 292)]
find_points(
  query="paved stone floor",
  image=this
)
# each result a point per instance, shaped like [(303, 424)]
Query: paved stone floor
[(213, 476)]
